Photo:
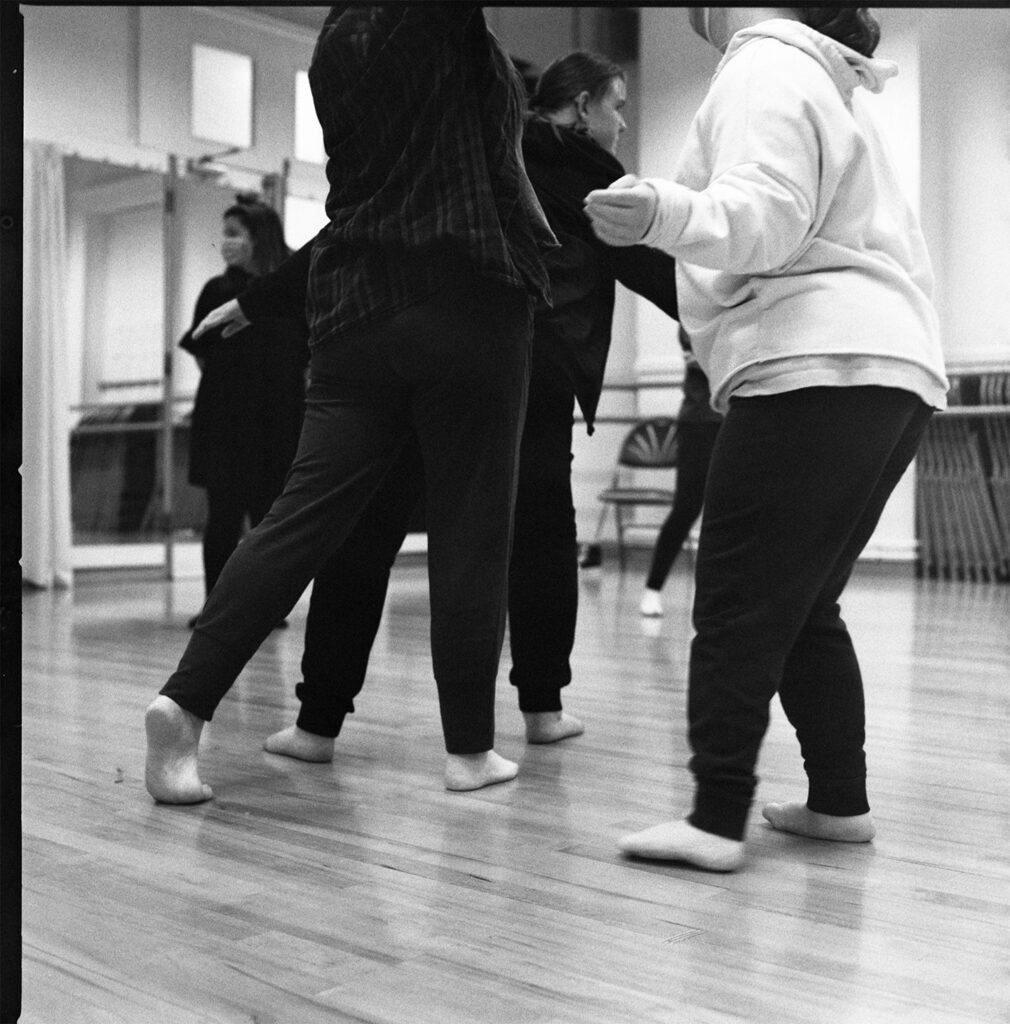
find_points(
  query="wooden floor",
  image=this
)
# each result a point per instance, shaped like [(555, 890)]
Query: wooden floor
[(363, 891)]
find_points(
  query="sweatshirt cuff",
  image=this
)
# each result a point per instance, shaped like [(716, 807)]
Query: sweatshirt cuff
[(672, 213), (254, 304)]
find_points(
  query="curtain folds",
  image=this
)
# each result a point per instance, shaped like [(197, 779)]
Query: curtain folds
[(45, 489)]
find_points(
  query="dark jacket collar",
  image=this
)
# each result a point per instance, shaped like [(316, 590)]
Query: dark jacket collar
[(558, 145)]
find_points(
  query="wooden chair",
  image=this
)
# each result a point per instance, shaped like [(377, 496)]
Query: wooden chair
[(651, 444)]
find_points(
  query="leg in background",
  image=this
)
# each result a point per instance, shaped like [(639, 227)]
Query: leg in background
[(695, 442), (543, 589), (222, 532)]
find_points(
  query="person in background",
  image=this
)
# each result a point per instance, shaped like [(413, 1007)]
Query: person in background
[(249, 403), (697, 429), (419, 303), (569, 144), (804, 285)]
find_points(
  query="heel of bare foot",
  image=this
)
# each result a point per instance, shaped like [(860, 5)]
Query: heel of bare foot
[(297, 743), (798, 819), (173, 741), (681, 841), (475, 771), (551, 726)]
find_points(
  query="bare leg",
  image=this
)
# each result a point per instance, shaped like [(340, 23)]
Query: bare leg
[(475, 771), (173, 741)]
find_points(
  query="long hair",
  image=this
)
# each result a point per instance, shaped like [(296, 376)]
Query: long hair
[(854, 27), (563, 79), (265, 230)]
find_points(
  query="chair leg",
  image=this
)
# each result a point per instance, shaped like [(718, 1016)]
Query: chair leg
[(619, 517), (601, 521), (691, 544)]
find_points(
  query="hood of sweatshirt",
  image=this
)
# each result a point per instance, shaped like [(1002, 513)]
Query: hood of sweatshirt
[(846, 67)]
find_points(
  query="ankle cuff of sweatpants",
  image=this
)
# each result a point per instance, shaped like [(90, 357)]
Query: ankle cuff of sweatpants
[(533, 702), (321, 721), (841, 798), (206, 671), (320, 726), (713, 813)]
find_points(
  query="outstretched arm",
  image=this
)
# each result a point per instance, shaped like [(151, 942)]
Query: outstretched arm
[(280, 293), (229, 317), (647, 272), (750, 205)]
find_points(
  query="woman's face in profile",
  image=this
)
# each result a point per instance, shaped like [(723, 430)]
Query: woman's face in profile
[(236, 244), (603, 117)]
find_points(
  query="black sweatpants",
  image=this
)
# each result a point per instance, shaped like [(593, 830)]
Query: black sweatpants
[(451, 372), (345, 607), (795, 489)]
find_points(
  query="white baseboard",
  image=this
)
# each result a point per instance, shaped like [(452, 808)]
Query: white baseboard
[(118, 556), (187, 556), (885, 550)]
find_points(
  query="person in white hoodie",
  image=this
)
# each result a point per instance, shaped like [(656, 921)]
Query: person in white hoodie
[(804, 283)]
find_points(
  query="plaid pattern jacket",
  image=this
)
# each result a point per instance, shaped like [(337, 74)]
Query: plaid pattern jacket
[(421, 112)]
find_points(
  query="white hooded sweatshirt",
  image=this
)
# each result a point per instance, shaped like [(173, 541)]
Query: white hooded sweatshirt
[(800, 262)]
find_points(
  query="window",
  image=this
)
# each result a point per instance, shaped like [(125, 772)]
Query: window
[(302, 220), (222, 96), (308, 134)]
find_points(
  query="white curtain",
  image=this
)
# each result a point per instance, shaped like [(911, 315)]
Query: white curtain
[(45, 470)]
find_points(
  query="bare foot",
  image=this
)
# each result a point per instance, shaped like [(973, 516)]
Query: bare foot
[(475, 771), (297, 743), (801, 821), (679, 840), (173, 740), (551, 726)]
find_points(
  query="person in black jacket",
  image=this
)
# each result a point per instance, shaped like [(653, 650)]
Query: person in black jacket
[(569, 141), (249, 403)]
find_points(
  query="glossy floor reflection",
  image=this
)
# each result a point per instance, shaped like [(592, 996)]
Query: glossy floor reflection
[(363, 891)]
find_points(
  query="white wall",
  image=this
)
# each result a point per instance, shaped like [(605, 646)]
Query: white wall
[(113, 83), (278, 53), (80, 82), (966, 177)]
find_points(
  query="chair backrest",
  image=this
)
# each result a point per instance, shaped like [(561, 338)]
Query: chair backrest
[(650, 444)]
